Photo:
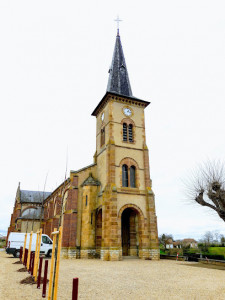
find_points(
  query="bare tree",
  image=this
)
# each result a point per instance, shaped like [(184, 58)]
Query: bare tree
[(208, 238), (222, 239), (206, 187), (216, 236)]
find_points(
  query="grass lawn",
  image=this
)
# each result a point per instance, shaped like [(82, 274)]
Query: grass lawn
[(217, 251)]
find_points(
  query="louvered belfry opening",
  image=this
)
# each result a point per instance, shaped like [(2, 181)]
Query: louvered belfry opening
[(130, 130), (124, 132)]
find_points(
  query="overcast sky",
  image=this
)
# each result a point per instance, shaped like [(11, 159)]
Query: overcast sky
[(54, 61)]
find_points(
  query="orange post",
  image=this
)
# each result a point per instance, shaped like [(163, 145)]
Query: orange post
[(52, 266), (24, 247), (57, 263), (28, 259)]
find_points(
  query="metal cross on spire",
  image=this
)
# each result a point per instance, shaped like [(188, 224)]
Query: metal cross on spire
[(118, 20)]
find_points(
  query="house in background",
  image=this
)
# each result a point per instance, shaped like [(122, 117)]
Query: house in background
[(169, 244), (177, 244), (190, 242)]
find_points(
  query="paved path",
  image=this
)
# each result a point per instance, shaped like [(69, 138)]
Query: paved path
[(128, 279)]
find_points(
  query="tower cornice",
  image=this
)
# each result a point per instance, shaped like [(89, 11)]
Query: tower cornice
[(120, 98)]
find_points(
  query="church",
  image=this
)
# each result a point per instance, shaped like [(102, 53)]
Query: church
[(108, 207)]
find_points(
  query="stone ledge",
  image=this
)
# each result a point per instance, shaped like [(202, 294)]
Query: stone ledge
[(111, 254), (212, 262)]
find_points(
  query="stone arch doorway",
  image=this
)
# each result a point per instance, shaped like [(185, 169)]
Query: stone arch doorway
[(98, 232), (131, 230)]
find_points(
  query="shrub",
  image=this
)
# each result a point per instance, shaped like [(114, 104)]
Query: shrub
[(2, 244), (216, 257), (192, 250), (203, 247), (174, 251)]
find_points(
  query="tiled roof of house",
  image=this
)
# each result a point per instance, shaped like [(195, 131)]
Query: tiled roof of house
[(176, 243), (169, 241), (189, 241)]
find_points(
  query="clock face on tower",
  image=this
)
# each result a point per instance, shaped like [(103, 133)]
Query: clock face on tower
[(127, 111)]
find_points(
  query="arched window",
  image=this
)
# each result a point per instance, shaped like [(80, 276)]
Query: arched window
[(125, 132), (132, 176), (102, 136), (125, 176), (130, 131)]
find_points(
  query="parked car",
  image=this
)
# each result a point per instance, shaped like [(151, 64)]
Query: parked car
[(16, 240)]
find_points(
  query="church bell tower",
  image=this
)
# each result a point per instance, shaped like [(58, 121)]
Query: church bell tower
[(126, 222)]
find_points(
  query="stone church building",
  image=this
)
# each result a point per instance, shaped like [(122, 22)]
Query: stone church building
[(109, 206), (27, 211)]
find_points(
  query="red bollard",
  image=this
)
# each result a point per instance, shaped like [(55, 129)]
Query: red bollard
[(45, 279), (30, 265), (21, 253), (75, 289), (39, 273), (24, 261), (25, 257)]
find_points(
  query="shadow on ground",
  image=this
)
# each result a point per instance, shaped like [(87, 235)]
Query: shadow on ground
[(206, 266)]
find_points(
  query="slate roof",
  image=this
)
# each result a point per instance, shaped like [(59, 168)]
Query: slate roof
[(118, 81), (31, 213), (33, 196)]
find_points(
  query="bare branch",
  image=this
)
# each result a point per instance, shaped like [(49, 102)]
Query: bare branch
[(206, 186)]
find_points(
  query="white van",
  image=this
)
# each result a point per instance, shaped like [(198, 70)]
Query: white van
[(16, 240)]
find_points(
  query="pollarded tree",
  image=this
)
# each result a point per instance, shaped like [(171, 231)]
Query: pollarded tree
[(207, 187)]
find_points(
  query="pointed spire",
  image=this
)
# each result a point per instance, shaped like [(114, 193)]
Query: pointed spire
[(118, 81)]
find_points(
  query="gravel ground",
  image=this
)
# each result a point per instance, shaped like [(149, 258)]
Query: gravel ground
[(127, 279)]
